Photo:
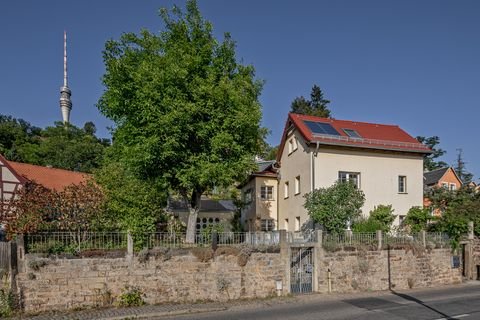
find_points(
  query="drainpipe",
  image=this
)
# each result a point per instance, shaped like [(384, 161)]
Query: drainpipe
[(312, 163), (277, 170)]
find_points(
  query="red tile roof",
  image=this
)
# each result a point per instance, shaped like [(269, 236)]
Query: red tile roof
[(51, 178), (373, 136)]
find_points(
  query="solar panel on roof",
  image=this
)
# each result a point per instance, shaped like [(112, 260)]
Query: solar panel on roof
[(352, 133), (321, 128)]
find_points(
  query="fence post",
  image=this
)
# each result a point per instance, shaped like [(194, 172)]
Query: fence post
[(129, 244), (20, 253), (285, 258), (214, 241), (319, 235), (470, 230), (423, 236), (379, 239)]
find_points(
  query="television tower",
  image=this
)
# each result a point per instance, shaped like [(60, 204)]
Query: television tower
[(65, 92)]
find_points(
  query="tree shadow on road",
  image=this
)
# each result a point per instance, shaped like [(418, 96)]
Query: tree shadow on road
[(406, 296), (420, 302)]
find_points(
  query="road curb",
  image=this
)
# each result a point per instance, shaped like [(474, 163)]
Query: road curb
[(164, 313)]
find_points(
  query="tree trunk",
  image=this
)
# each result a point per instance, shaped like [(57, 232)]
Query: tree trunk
[(192, 224), (193, 208)]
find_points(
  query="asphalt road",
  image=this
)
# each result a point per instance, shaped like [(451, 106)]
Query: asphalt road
[(448, 303)]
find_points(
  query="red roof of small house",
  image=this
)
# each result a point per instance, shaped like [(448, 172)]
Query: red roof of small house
[(51, 178), (371, 135)]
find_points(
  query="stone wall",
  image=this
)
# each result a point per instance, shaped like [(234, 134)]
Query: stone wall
[(410, 267), (199, 275), (178, 276)]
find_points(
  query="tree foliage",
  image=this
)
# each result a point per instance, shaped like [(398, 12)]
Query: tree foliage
[(35, 208), (316, 106), (465, 176), (334, 206), (366, 225), (430, 161), (79, 207), (132, 204), (270, 152), (62, 145), (458, 207), (417, 219), (16, 135), (68, 147), (28, 209), (186, 112), (383, 214)]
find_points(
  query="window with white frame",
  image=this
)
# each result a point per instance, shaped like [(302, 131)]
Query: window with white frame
[(453, 187), (353, 177), (266, 192), (297, 185), (267, 224), (445, 185), (285, 190), (285, 224), (402, 184), (297, 223)]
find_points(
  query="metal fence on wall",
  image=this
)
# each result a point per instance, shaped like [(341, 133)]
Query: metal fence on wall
[(71, 242), (433, 239), (75, 242)]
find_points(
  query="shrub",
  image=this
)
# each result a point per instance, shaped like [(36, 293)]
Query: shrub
[(366, 225), (383, 215), (417, 219), (333, 207), (130, 297), (7, 302)]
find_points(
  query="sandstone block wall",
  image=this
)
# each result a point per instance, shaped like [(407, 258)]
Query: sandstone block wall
[(76, 283), (368, 270)]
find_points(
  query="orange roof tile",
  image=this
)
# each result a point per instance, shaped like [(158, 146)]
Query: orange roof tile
[(373, 135), (51, 178)]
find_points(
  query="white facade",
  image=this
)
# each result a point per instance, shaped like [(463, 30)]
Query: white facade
[(378, 173)]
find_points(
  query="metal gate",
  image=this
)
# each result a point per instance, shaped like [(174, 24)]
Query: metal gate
[(301, 270)]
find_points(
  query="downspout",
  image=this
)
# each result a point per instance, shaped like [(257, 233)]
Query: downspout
[(278, 194), (312, 162)]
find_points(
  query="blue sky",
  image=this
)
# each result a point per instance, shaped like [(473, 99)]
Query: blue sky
[(411, 63)]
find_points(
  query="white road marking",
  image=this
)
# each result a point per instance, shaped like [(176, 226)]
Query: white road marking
[(455, 317)]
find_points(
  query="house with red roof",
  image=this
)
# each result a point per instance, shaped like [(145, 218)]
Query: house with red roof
[(13, 175), (384, 161)]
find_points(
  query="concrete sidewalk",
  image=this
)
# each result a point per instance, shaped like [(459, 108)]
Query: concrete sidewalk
[(151, 311)]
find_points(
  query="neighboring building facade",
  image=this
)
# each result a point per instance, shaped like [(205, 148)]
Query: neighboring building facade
[(384, 161), (442, 178), (260, 198), (445, 178), (212, 213)]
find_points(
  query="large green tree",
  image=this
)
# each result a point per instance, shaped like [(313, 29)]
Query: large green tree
[(316, 106), (186, 112), (430, 161)]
